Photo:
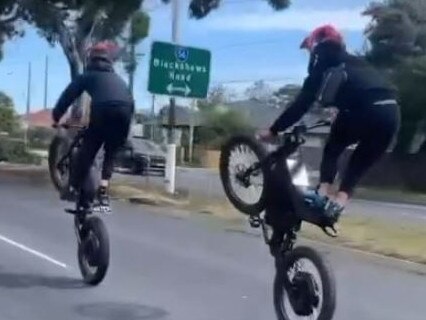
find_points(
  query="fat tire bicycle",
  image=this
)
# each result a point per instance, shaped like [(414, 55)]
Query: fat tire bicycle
[(279, 211), (92, 236)]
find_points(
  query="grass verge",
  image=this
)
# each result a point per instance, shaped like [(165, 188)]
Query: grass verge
[(393, 238)]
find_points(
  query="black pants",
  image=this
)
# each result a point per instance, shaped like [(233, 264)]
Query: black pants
[(109, 127), (372, 130)]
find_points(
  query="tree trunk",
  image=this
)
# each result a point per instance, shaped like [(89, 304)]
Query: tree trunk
[(75, 59)]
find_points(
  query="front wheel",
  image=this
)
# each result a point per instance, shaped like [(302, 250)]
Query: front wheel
[(59, 175), (304, 294), (93, 251)]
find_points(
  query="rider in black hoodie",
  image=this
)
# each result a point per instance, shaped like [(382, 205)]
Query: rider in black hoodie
[(112, 107), (368, 114)]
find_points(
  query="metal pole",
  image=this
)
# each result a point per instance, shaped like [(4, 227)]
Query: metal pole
[(171, 147), (46, 79), (152, 117), (191, 132), (28, 105)]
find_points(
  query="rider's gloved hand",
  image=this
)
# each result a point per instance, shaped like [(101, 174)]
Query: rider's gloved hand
[(265, 135)]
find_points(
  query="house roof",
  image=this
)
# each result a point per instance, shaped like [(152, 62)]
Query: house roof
[(40, 118)]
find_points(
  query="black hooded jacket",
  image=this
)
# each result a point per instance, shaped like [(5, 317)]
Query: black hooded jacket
[(104, 86), (363, 85)]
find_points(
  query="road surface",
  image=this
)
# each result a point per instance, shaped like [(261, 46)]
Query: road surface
[(169, 267), (206, 182)]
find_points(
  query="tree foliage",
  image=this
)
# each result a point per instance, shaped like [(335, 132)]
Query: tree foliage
[(8, 119), (397, 37), (259, 91), (138, 31), (9, 14), (200, 8), (218, 95), (219, 125)]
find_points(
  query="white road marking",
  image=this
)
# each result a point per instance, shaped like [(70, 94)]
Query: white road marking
[(33, 252)]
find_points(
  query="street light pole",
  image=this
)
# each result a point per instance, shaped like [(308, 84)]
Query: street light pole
[(171, 147)]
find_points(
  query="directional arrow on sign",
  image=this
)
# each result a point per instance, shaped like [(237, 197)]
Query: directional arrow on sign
[(184, 90)]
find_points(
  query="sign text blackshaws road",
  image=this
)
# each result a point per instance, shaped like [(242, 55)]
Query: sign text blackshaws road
[(179, 71)]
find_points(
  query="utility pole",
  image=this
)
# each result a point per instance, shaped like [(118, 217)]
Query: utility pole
[(152, 117), (28, 105), (171, 147), (46, 80)]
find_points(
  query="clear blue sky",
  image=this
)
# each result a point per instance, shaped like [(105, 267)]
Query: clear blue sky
[(248, 40)]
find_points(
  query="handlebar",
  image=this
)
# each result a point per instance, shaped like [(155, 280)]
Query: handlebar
[(68, 126)]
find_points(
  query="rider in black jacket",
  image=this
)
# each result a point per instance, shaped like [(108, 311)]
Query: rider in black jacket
[(368, 114), (112, 107)]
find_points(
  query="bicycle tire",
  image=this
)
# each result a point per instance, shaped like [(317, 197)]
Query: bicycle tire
[(57, 179), (327, 278), (96, 225), (260, 152)]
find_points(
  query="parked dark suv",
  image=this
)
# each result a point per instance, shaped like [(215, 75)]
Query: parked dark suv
[(141, 156)]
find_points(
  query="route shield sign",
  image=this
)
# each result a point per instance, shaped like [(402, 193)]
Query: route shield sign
[(179, 70)]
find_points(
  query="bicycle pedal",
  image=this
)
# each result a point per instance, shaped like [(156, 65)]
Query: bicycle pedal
[(255, 222), (102, 209), (72, 211)]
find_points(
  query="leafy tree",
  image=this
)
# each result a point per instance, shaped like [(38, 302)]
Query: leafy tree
[(219, 125), (138, 31), (74, 24), (8, 119), (285, 95), (9, 14), (259, 91), (397, 37), (200, 8), (218, 95)]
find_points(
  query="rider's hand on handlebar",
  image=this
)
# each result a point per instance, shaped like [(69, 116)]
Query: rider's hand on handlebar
[(265, 135)]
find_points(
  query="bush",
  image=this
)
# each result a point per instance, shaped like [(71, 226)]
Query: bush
[(220, 125), (40, 138), (14, 151)]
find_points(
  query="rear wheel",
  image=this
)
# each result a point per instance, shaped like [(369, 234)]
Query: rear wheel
[(93, 251), (245, 192), (301, 293)]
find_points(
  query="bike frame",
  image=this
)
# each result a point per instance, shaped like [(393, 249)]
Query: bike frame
[(285, 208)]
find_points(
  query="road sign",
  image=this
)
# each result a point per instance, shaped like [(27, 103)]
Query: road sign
[(178, 70)]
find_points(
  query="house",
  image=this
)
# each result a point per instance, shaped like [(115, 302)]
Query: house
[(38, 119)]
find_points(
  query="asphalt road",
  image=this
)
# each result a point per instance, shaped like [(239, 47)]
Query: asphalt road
[(206, 182), (167, 266)]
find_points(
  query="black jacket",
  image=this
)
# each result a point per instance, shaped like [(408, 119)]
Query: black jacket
[(363, 86), (104, 86)]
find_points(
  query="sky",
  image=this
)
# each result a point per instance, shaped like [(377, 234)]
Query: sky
[(248, 41)]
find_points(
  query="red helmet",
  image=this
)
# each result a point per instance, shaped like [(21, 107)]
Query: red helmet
[(322, 34), (103, 50)]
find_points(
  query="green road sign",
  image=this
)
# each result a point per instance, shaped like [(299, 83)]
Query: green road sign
[(179, 71)]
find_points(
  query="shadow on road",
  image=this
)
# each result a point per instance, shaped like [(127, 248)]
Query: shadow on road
[(122, 311), (23, 281)]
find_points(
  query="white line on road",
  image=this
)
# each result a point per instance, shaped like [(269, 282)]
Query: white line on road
[(33, 252)]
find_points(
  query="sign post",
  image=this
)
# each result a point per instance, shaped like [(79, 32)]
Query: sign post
[(177, 71)]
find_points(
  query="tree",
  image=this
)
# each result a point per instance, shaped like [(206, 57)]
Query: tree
[(219, 125), (9, 14), (259, 91), (200, 8), (8, 119), (397, 37), (74, 24), (218, 95), (284, 95), (138, 30)]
